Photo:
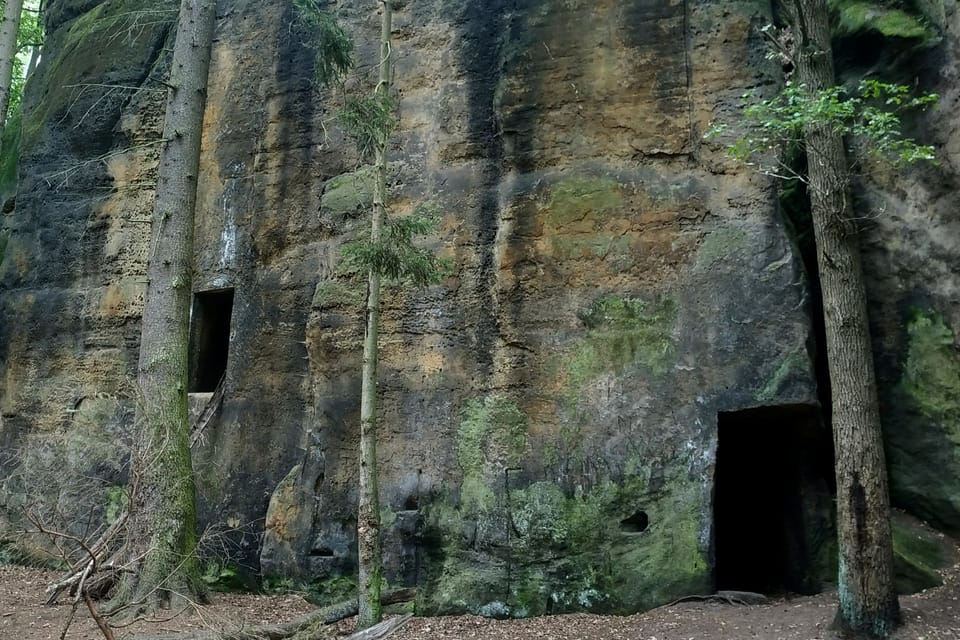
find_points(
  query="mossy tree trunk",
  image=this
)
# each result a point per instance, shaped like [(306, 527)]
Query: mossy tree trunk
[(369, 545), (9, 30), (867, 597), (162, 535)]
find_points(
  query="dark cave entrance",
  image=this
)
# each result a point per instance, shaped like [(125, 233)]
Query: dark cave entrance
[(209, 338), (773, 519)]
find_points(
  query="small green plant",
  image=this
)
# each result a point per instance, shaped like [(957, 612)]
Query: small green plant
[(279, 586), (870, 115), (117, 500)]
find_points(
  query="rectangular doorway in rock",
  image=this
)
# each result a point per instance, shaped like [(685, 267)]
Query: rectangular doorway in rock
[(209, 338), (773, 521)]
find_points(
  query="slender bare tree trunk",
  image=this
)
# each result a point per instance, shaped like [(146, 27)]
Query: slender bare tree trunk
[(369, 546), (162, 530), (867, 596), (9, 29)]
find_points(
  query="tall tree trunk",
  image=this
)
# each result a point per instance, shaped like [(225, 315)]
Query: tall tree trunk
[(867, 597), (9, 29), (162, 530), (369, 546)]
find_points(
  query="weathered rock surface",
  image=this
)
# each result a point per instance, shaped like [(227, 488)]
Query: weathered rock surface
[(549, 427), (910, 258)]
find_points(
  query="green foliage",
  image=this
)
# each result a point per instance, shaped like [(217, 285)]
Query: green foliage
[(369, 121), (871, 115), (29, 36), (332, 47), (395, 256), (279, 586)]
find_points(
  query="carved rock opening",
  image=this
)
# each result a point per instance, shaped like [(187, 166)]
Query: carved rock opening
[(209, 338), (773, 526)]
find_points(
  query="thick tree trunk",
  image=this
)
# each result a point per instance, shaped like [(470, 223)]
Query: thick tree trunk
[(867, 597), (369, 546), (9, 29), (162, 530)]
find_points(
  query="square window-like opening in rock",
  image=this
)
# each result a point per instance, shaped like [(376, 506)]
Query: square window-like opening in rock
[(209, 338), (772, 500)]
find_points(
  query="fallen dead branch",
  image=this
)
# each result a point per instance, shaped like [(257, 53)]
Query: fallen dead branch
[(315, 625), (743, 598)]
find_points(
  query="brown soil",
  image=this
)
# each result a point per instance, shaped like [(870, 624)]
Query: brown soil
[(931, 615)]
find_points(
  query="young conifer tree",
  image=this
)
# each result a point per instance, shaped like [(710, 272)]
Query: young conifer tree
[(386, 251)]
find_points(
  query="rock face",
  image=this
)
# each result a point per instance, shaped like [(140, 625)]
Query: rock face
[(910, 249), (623, 301)]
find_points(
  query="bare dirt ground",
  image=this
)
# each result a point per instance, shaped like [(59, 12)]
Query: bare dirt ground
[(931, 615)]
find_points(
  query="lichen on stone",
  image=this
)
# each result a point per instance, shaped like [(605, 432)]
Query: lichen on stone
[(718, 246)]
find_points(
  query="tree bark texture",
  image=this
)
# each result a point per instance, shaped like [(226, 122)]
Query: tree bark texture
[(9, 29), (162, 532), (867, 596), (369, 545)]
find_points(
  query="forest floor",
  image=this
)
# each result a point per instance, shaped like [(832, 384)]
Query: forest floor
[(930, 615)]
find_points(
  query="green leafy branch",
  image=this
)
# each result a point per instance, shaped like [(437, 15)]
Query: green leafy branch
[(871, 115), (332, 47), (396, 256), (369, 121)]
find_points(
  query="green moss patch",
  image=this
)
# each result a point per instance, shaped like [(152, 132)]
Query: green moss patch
[(9, 159), (931, 375), (919, 554), (492, 436), (796, 364), (856, 16), (580, 197), (350, 194), (559, 551), (131, 34), (624, 331)]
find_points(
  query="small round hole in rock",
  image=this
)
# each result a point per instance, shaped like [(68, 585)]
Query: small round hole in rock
[(412, 503)]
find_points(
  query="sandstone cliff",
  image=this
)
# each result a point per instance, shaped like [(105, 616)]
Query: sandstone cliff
[(624, 299)]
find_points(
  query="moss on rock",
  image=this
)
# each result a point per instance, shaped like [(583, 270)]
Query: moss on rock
[(350, 194), (931, 376), (583, 196), (625, 331), (919, 554), (857, 16)]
